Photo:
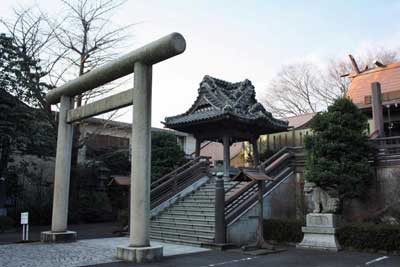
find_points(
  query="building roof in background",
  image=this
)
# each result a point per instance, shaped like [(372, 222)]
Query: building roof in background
[(128, 126), (300, 121), (120, 180), (220, 100), (388, 76)]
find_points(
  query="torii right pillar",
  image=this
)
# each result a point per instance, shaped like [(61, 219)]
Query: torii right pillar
[(377, 111)]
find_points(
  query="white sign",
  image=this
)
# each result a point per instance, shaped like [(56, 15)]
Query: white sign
[(24, 217)]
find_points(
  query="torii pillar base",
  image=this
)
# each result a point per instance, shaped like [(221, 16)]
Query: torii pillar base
[(140, 254), (58, 237)]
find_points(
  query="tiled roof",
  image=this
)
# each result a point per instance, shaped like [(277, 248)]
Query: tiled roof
[(300, 121), (388, 76), (125, 125), (218, 98), (120, 180)]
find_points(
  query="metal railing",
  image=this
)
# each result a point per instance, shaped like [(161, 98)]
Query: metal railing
[(278, 167), (172, 183), (386, 147)]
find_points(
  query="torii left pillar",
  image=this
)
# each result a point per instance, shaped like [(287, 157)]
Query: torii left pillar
[(59, 232)]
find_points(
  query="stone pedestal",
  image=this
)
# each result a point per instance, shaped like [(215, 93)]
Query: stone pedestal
[(140, 254), (320, 232), (58, 237)]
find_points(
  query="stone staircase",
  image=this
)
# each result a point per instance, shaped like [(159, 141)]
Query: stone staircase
[(191, 219)]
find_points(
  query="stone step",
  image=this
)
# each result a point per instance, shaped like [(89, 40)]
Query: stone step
[(182, 236), (191, 208), (194, 231), (197, 197), (200, 201), (194, 206), (190, 214), (177, 241), (209, 221), (183, 225), (204, 193)]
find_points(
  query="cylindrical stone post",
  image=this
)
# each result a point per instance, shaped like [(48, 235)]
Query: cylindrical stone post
[(220, 231), (256, 155), (63, 168), (377, 111), (260, 226), (227, 156), (141, 157), (198, 147)]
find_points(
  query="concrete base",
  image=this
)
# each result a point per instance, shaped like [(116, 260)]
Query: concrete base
[(320, 232), (220, 247), (140, 254), (58, 237)]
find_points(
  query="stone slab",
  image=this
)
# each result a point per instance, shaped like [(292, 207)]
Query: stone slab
[(322, 220), (58, 237), (140, 254), (318, 230), (319, 242)]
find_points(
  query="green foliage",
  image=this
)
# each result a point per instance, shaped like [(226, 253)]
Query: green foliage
[(370, 236), (6, 223), (20, 74), (30, 191), (283, 231), (90, 202), (22, 127), (266, 154), (361, 236), (337, 152), (166, 155)]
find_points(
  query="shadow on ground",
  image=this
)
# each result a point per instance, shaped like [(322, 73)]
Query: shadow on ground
[(291, 257)]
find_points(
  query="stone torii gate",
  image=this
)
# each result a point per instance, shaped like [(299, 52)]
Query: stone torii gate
[(140, 62)]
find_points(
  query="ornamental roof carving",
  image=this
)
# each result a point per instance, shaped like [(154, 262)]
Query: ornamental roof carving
[(218, 99)]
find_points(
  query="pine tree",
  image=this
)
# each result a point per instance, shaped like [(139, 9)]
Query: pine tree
[(338, 150), (23, 127), (166, 155), (20, 75)]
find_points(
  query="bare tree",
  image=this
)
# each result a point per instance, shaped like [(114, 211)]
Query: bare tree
[(303, 88), (30, 33), (381, 54), (338, 85), (294, 90), (87, 34)]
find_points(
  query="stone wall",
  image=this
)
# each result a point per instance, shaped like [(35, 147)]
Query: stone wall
[(279, 203), (383, 197)]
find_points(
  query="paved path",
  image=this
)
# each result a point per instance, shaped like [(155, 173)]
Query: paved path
[(81, 253), (290, 258), (85, 231)]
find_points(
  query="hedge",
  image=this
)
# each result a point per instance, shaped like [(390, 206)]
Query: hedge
[(283, 231), (360, 236), (6, 223), (370, 236)]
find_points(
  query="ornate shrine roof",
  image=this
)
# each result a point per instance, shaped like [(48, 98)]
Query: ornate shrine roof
[(222, 101)]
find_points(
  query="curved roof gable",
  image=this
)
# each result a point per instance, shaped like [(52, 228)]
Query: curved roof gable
[(217, 98)]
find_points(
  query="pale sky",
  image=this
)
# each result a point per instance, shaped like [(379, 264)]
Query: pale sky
[(235, 40)]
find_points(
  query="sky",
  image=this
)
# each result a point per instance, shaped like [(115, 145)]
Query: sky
[(237, 40)]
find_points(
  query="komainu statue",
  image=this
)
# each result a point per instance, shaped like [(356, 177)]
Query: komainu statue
[(324, 201)]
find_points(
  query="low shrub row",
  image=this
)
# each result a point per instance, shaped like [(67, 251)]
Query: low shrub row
[(6, 223), (370, 236), (283, 231), (360, 236)]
